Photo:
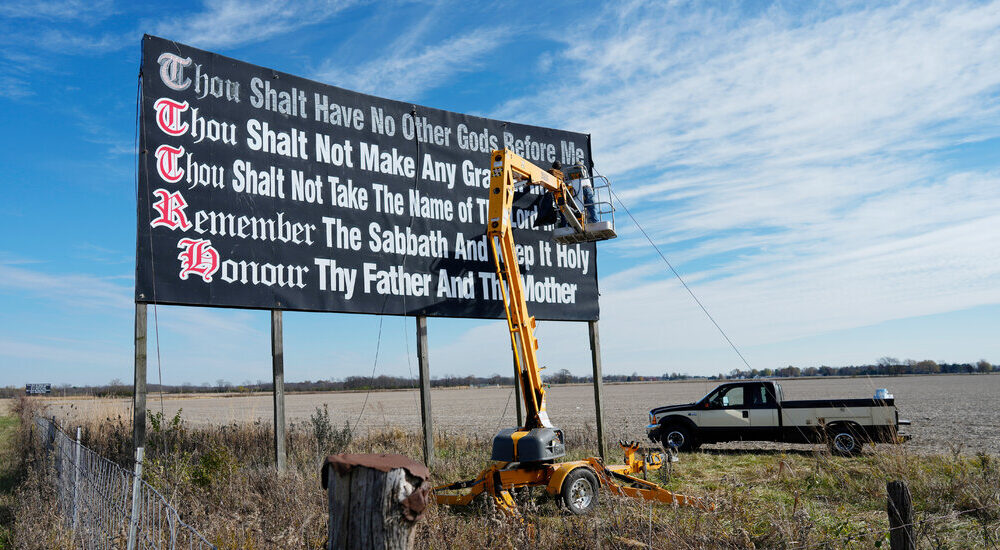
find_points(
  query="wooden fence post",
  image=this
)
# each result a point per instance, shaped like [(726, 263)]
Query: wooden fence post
[(278, 374), (375, 500), (899, 506), (427, 420)]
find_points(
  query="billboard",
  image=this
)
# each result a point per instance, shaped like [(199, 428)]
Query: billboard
[(38, 389), (260, 189)]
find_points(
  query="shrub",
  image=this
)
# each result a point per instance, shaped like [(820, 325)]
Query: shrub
[(328, 439)]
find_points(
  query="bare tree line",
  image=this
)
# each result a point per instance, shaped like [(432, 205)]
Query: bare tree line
[(886, 366)]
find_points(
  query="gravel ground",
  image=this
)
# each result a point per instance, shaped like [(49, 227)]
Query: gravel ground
[(953, 412)]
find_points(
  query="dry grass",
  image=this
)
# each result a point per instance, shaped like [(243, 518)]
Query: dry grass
[(10, 476), (32, 523), (221, 480)]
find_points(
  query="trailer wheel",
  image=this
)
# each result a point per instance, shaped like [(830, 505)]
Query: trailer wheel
[(579, 491), (844, 440)]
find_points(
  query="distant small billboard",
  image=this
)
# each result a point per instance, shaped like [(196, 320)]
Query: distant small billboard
[(38, 389)]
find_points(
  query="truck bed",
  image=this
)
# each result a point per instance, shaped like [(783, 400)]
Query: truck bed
[(837, 403)]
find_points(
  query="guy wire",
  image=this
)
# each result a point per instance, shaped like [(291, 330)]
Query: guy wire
[(678, 275)]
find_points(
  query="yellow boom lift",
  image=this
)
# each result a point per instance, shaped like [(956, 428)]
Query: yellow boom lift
[(526, 456)]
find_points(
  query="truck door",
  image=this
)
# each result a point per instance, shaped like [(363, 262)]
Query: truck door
[(725, 417), (763, 411)]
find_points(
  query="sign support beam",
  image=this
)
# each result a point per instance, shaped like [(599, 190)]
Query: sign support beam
[(425, 391), (517, 390), (595, 355), (278, 373), (139, 381)]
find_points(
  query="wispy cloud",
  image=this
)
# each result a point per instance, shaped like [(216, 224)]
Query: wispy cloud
[(14, 88), (102, 255), (67, 27), (114, 293), (76, 42), (97, 311), (407, 68), (86, 10), (230, 23), (794, 164), (95, 129), (71, 289), (18, 69), (77, 353)]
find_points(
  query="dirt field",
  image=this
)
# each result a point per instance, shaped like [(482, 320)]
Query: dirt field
[(948, 412)]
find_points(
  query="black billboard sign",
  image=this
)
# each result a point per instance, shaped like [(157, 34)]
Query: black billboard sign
[(260, 189), (38, 389)]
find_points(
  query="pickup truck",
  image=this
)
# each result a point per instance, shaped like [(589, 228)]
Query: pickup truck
[(757, 411)]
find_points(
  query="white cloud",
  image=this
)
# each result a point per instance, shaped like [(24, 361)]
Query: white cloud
[(65, 27), (794, 166), (75, 353), (186, 341), (229, 23), (57, 10), (75, 42), (406, 70), (14, 88), (71, 289), (949, 269)]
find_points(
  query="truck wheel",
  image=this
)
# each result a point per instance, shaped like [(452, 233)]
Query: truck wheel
[(579, 491), (677, 436), (844, 440)]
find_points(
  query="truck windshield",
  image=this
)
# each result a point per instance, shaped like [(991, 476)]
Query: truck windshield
[(709, 396)]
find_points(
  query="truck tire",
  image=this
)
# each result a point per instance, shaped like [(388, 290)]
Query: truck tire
[(579, 491), (844, 439), (678, 436)]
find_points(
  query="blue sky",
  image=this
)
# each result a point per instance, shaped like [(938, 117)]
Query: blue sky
[(826, 178)]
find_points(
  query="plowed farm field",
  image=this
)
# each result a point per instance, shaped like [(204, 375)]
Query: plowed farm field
[(949, 412)]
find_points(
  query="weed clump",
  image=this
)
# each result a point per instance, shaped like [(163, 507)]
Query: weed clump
[(329, 440)]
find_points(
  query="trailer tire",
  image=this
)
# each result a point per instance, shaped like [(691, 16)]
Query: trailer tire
[(579, 491), (844, 439), (679, 437)]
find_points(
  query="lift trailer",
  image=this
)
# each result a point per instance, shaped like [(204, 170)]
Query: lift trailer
[(526, 456)]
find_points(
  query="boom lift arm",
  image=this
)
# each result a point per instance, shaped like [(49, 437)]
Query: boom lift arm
[(526, 456), (507, 170)]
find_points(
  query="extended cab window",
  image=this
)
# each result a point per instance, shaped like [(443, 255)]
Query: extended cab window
[(733, 396), (760, 396)]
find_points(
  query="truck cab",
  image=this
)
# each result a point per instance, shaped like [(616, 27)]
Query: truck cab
[(743, 410)]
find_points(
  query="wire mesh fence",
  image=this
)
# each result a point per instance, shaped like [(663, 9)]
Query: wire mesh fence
[(107, 506)]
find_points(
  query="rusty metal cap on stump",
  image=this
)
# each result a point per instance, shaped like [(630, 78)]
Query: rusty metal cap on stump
[(343, 463), (414, 504)]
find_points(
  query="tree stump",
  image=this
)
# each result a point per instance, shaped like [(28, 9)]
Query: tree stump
[(375, 500)]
